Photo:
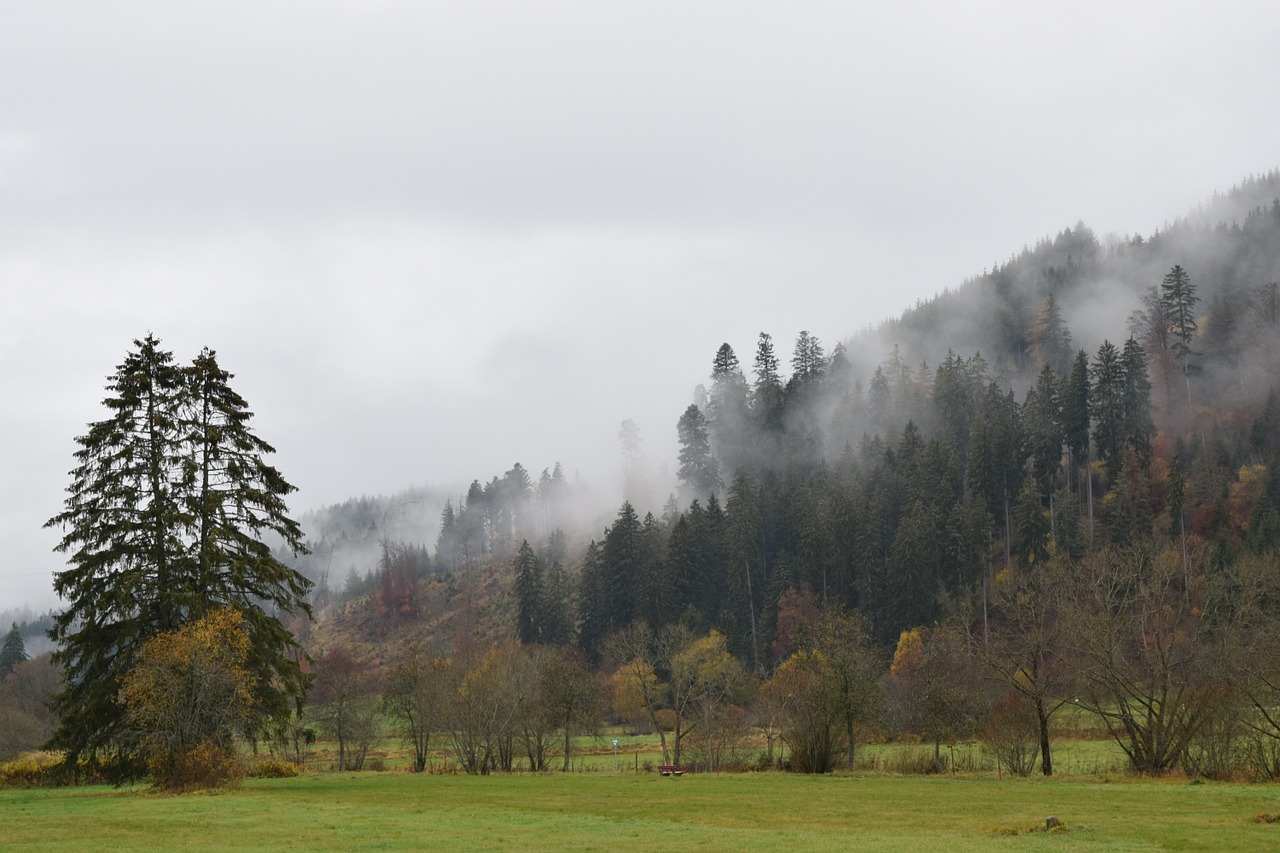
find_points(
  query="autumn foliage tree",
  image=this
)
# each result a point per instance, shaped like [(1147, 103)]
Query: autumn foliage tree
[(189, 697)]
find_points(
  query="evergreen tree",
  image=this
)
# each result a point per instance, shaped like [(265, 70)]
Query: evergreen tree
[(622, 557), (1042, 423), (1138, 427), (13, 652), (766, 393), (557, 607), (594, 602), (807, 360), (237, 502), (1075, 410), (745, 569), (168, 505), (727, 411), (879, 398), (1049, 339), (529, 592), (1106, 405), (1178, 300), (1032, 528), (699, 471), (1150, 324), (839, 370), (448, 540)]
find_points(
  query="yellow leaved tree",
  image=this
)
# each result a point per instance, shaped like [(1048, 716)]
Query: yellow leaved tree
[(189, 697)]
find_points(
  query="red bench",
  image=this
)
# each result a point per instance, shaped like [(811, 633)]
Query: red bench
[(670, 769)]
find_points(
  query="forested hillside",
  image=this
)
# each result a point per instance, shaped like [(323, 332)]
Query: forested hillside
[(1039, 409), (1062, 475)]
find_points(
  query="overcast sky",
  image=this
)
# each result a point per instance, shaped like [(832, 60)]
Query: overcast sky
[(434, 238)]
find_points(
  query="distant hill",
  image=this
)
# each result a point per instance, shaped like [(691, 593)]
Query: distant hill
[(1049, 408)]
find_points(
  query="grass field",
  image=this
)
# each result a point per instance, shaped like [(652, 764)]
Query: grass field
[(623, 811)]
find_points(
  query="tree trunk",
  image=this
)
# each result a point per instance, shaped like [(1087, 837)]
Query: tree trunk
[(848, 730), (1042, 718), (567, 746)]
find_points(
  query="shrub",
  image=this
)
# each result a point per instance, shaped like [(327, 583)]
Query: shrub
[(31, 771), (1218, 751), (1264, 757), (272, 768), (205, 765), (1012, 734)]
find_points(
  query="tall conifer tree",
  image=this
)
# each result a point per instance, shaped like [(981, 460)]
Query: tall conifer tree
[(167, 509)]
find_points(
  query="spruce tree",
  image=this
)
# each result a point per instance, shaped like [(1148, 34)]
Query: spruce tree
[(808, 361), (1075, 409), (1049, 339), (1106, 405), (766, 393), (1138, 427), (167, 510), (13, 652), (699, 471), (237, 505), (529, 592), (1178, 300)]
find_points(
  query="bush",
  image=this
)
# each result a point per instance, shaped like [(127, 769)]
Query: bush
[(272, 768), (1264, 756), (204, 766), (1218, 752), (33, 771), (1012, 734)]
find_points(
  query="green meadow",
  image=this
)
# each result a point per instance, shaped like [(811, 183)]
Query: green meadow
[(611, 811)]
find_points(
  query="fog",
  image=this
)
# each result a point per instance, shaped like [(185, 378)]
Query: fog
[(432, 240)]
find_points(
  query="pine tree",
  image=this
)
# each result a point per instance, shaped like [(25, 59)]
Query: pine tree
[(557, 606), (808, 362), (1075, 409), (595, 616), (879, 398), (1032, 528), (699, 471), (1178, 300), (1042, 419), (168, 505), (766, 393), (237, 502), (622, 558), (1138, 427), (1106, 399), (529, 593), (727, 410), (13, 652), (1049, 338)]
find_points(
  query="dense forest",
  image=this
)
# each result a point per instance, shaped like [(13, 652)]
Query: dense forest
[(1056, 485), (1084, 394), (1060, 476)]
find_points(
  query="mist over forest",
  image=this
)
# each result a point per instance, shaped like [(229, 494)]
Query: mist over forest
[(1055, 485), (799, 425)]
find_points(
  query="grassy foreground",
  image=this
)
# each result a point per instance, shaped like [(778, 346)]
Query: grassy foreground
[(758, 812)]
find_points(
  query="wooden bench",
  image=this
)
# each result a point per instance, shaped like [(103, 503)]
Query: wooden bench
[(670, 769)]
